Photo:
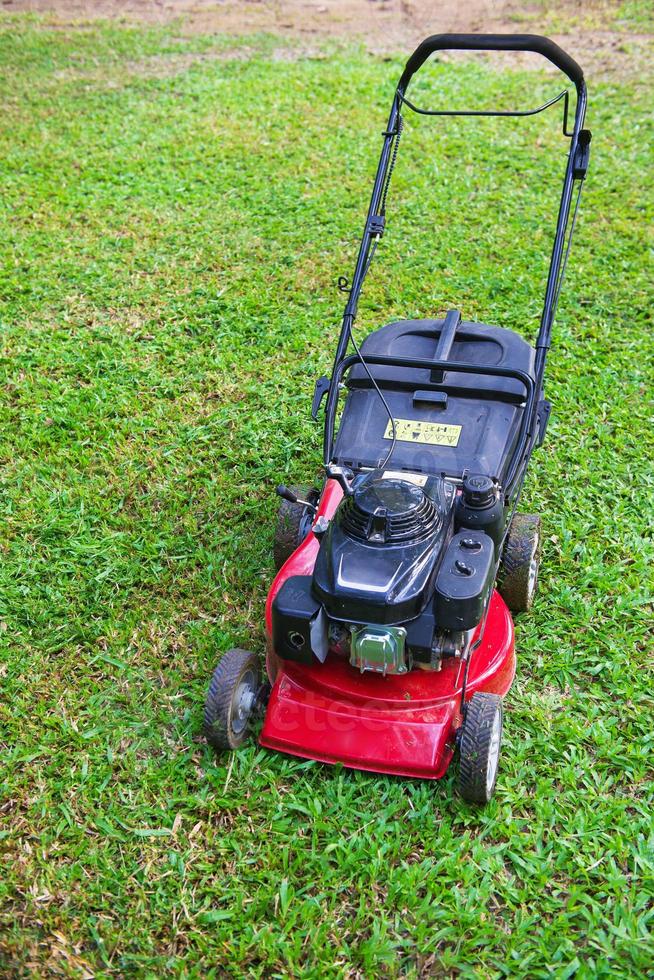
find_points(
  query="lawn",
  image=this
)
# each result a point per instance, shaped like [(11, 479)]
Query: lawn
[(175, 214)]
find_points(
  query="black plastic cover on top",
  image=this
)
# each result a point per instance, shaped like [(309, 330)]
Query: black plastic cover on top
[(487, 409)]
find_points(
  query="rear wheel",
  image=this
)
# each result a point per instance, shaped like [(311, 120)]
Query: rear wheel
[(294, 522), (518, 576), (232, 699), (479, 747)]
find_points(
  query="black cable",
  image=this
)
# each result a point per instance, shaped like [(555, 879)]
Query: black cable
[(362, 360), (365, 367), (391, 168), (373, 249)]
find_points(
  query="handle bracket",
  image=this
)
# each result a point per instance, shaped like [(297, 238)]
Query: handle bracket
[(582, 155), (319, 392)]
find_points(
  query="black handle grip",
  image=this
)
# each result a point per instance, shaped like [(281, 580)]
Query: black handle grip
[(492, 42)]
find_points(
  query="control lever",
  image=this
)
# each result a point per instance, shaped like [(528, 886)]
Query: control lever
[(342, 475)]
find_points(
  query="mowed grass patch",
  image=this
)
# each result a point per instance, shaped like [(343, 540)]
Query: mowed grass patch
[(171, 244)]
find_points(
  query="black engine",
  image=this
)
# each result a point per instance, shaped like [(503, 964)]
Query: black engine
[(404, 564), (378, 560)]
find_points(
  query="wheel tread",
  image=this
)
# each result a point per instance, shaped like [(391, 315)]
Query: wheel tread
[(218, 702), (514, 571), (475, 745)]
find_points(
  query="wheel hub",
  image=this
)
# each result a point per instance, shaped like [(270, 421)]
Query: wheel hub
[(245, 696), (493, 752), (533, 568)]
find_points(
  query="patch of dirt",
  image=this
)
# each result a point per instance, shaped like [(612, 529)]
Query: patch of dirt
[(590, 29), (381, 22)]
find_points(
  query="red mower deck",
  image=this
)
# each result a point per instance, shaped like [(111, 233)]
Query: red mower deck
[(403, 724)]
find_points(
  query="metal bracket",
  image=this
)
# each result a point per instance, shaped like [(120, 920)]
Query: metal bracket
[(582, 154), (542, 416), (319, 392), (376, 225), (380, 649)]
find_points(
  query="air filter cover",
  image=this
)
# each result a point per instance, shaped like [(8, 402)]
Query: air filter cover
[(388, 511), (377, 560)]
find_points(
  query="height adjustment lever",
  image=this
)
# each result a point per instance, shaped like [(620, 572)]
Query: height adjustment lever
[(287, 494)]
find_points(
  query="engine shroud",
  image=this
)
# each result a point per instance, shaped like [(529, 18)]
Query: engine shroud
[(378, 559)]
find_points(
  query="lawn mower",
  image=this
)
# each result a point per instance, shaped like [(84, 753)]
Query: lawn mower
[(390, 637)]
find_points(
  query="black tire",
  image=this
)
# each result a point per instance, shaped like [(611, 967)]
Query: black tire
[(518, 578), (293, 524), (479, 747), (232, 699)]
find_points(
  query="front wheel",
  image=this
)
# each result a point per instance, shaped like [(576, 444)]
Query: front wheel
[(479, 747), (232, 699)]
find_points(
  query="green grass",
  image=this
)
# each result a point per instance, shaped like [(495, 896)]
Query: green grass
[(630, 16), (175, 215)]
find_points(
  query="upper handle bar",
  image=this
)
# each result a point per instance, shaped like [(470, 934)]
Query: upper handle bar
[(492, 42)]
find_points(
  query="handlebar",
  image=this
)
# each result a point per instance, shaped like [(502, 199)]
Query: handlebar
[(492, 42)]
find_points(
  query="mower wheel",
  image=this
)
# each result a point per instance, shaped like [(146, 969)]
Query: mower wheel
[(518, 576), (294, 522), (479, 747), (232, 698)]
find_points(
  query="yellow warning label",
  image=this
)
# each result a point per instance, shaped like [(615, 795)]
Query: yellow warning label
[(432, 433)]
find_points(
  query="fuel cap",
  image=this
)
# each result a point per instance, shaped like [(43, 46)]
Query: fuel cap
[(478, 490)]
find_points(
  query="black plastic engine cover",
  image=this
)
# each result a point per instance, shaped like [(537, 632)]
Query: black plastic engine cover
[(420, 635), (378, 559), (464, 580), (299, 624)]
